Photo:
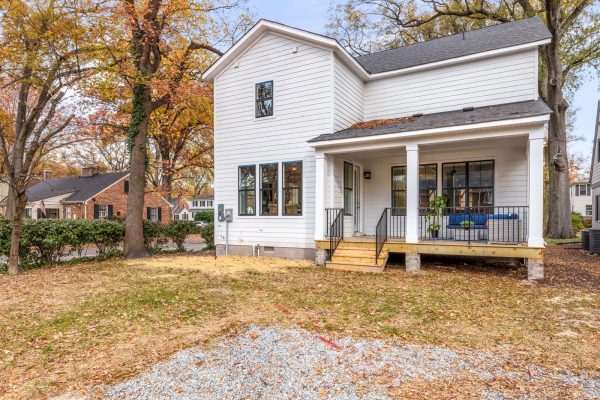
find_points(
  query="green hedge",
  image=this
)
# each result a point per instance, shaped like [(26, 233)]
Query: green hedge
[(205, 215), (47, 240), (208, 234)]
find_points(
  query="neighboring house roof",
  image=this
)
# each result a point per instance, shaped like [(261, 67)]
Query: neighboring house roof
[(595, 145), (500, 112), (528, 32), (82, 187), (203, 198), (175, 206), (509, 34)]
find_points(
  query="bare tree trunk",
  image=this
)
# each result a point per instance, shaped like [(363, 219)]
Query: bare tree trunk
[(134, 223), (15, 237), (559, 217)]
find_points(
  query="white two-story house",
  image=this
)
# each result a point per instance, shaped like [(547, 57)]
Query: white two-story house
[(433, 148), (581, 198)]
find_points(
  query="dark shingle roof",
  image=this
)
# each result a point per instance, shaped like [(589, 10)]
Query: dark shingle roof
[(444, 119), (82, 187), (494, 37)]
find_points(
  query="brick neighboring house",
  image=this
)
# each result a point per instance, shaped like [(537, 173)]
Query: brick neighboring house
[(91, 196)]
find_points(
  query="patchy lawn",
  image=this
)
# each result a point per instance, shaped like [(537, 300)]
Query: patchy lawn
[(66, 328)]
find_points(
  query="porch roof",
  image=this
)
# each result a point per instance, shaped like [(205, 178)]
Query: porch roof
[(477, 115)]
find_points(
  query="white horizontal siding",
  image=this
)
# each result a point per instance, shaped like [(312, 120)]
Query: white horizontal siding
[(303, 87), (348, 97), (503, 79)]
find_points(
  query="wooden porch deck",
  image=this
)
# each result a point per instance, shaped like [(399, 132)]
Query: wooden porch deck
[(446, 247)]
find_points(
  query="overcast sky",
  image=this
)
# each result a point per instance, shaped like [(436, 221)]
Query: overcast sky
[(312, 15)]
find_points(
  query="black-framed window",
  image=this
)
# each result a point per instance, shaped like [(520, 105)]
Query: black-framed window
[(469, 184), (399, 187), (264, 99), (427, 184), (292, 187), (247, 190), (269, 189), (597, 207), (348, 187), (598, 147)]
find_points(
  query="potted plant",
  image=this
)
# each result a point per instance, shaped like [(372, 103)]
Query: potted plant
[(466, 224), (434, 215)]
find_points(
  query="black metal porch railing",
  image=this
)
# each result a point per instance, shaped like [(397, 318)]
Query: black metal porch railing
[(334, 226), (490, 224), (381, 234), (396, 223)]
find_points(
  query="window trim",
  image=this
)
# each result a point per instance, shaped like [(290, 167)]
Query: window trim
[(246, 190), (272, 98), (351, 189), (300, 188), (260, 188), (468, 186)]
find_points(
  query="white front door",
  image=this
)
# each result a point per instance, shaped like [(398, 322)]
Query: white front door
[(356, 200)]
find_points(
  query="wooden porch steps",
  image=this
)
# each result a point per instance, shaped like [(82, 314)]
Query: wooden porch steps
[(350, 257)]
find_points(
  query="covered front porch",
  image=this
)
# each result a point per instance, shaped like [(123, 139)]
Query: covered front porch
[(473, 193)]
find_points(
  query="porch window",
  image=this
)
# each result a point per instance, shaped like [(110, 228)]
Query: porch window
[(398, 187), (264, 99), (292, 188), (469, 184), (247, 190), (348, 187), (268, 189), (427, 184)]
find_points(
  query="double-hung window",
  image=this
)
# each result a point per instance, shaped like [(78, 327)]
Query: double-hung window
[(588, 210), (269, 189), (264, 99), (469, 184), (427, 186), (398, 189), (348, 187), (247, 190), (292, 188)]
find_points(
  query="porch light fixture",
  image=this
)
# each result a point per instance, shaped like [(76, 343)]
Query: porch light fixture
[(367, 174)]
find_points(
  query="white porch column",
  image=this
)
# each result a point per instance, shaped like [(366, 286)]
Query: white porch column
[(320, 193), (536, 187), (412, 193)]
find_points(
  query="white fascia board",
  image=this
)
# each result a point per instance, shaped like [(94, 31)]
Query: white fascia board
[(458, 60), (448, 129)]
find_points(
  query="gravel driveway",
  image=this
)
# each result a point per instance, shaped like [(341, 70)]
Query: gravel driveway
[(282, 363)]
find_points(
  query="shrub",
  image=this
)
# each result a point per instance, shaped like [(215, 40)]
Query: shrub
[(178, 231), (577, 222), (205, 215), (155, 235), (208, 234)]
